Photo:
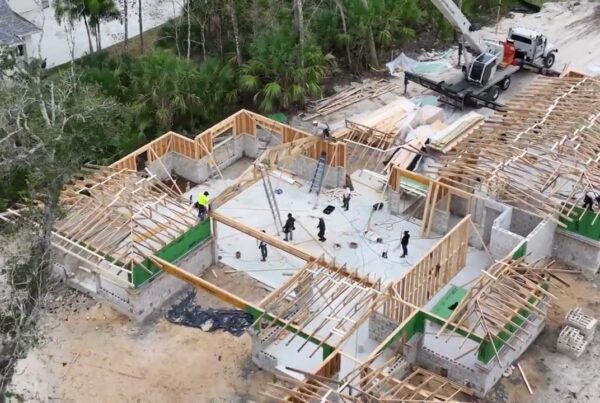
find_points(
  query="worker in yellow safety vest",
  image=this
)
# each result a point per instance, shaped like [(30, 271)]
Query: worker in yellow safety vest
[(203, 205)]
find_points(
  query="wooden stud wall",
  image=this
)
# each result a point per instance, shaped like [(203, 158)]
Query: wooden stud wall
[(432, 272), (242, 122)]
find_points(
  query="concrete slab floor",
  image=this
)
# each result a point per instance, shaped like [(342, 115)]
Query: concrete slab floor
[(343, 227)]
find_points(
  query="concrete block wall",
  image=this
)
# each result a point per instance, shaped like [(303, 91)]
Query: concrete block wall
[(162, 168), (304, 167), (199, 171), (380, 327), (576, 250), (540, 241), (394, 202), (458, 206), (436, 361), (260, 357), (481, 377), (502, 240), (141, 302), (522, 222), (149, 297), (250, 146), (440, 222), (192, 170), (490, 374)]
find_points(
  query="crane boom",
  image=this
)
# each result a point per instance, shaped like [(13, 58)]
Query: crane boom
[(459, 22)]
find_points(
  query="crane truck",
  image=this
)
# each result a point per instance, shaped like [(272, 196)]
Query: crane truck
[(489, 72)]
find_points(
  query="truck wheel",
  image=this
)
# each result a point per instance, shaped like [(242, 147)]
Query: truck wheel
[(494, 93), (549, 60), (505, 83)]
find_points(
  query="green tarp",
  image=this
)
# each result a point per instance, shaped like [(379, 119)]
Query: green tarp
[(173, 251), (449, 301)]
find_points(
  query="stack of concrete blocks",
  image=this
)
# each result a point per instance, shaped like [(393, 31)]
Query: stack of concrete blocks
[(577, 334), (584, 323), (571, 342)]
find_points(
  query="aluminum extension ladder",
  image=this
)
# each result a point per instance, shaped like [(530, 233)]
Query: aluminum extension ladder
[(266, 180), (317, 180)]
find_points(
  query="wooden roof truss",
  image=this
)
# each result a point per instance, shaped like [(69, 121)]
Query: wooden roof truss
[(505, 294), (368, 384), (321, 302), (542, 154), (116, 218)]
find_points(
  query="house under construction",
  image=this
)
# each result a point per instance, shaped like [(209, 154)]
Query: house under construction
[(489, 204)]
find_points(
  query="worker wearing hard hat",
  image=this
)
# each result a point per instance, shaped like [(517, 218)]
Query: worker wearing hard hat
[(203, 205)]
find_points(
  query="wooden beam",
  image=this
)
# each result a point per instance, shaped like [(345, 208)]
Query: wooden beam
[(286, 247)]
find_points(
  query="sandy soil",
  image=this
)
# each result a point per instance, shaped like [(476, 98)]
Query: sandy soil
[(553, 376), (91, 353)]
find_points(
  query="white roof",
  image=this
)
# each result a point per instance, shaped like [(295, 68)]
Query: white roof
[(525, 32)]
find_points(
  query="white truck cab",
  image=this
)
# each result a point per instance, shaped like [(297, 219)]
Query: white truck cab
[(532, 47)]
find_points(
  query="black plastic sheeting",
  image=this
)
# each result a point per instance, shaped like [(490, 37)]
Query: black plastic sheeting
[(187, 313)]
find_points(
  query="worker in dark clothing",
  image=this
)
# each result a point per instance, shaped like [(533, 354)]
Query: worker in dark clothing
[(263, 250), (589, 198), (289, 227), (346, 199), (321, 228), (404, 243)]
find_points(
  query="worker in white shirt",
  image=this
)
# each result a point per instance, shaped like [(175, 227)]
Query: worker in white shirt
[(321, 128), (346, 199)]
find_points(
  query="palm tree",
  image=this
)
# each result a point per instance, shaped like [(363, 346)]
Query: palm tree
[(167, 94), (93, 12), (275, 76), (99, 11)]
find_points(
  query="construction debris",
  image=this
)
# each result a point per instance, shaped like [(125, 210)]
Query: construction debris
[(187, 313)]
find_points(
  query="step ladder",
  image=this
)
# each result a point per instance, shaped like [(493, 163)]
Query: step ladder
[(266, 180), (317, 180)]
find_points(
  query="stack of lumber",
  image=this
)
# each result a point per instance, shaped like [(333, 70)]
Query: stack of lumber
[(410, 150), (450, 136), (378, 128), (349, 96)]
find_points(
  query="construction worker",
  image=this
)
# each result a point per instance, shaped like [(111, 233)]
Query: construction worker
[(346, 199), (404, 243), (321, 228), (589, 199), (321, 128), (263, 250), (203, 205), (289, 227)]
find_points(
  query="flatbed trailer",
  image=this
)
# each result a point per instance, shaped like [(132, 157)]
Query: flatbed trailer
[(458, 92)]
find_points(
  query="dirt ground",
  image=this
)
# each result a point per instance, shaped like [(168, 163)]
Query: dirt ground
[(92, 353), (553, 376)]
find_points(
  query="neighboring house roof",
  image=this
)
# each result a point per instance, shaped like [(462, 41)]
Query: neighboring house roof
[(13, 27)]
